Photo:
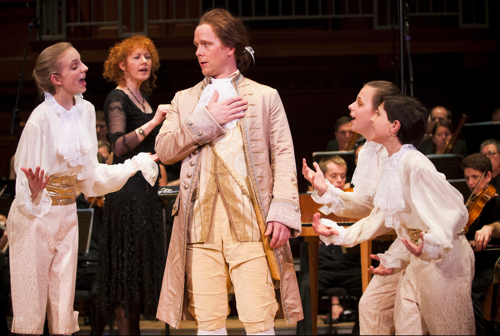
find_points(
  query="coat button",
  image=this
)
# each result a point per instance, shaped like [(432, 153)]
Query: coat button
[(191, 163), (175, 207), (200, 133), (190, 122), (297, 209), (195, 152), (189, 175), (186, 186)]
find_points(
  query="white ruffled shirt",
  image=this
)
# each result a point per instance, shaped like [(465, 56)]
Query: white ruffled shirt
[(424, 200), (225, 89), (62, 143)]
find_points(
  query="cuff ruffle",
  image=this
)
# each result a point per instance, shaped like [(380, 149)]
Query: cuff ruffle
[(147, 166), (330, 197), (336, 240)]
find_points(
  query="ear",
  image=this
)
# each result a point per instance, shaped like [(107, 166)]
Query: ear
[(55, 79), (488, 177), (396, 126), (230, 51), (122, 65)]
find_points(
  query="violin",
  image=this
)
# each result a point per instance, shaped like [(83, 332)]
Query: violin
[(96, 201), (479, 201), (476, 203)]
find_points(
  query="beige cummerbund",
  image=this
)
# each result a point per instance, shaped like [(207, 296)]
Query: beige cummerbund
[(61, 189)]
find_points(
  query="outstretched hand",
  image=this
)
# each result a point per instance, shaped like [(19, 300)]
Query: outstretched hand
[(414, 249), (227, 110), (317, 178), (380, 270), (37, 181), (322, 229), (281, 233)]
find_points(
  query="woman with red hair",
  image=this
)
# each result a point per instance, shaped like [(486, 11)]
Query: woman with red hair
[(132, 246)]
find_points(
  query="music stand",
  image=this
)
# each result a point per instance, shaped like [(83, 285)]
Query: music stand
[(476, 133), (461, 185), (85, 221), (448, 164), (348, 157)]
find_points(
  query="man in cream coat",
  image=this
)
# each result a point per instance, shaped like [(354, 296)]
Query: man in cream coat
[(238, 166)]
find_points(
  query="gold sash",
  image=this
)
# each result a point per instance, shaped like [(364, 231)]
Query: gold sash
[(61, 189)]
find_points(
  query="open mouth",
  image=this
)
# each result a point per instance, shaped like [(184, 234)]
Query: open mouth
[(143, 70), (82, 81), (203, 63)]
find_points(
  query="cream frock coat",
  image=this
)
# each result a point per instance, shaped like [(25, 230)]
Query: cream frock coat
[(270, 159)]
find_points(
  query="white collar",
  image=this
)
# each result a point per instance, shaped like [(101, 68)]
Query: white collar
[(73, 137), (389, 197)]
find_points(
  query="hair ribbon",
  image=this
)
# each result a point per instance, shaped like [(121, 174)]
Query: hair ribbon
[(251, 52)]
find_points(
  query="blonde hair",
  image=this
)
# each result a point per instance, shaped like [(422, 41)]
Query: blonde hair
[(47, 65), (323, 164)]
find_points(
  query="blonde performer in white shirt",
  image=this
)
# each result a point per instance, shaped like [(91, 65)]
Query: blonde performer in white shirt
[(57, 154), (433, 295)]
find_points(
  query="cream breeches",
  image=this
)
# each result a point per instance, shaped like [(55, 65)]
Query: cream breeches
[(376, 307), (435, 297), (43, 258), (213, 265)]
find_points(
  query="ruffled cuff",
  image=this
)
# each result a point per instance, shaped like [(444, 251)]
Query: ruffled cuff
[(37, 208), (432, 248), (336, 240), (147, 166), (330, 197), (390, 261)]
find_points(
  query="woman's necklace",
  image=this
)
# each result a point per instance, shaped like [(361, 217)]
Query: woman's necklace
[(142, 104)]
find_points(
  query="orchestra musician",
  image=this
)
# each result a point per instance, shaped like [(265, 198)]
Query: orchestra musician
[(491, 148), (441, 135), (484, 231), (343, 134)]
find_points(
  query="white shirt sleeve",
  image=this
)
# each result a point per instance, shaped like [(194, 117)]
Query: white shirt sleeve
[(30, 154), (99, 179), (111, 178), (439, 207)]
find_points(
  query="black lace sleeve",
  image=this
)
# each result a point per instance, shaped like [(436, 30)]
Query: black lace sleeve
[(116, 119)]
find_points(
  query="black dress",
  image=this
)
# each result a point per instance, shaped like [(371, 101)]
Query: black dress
[(132, 248)]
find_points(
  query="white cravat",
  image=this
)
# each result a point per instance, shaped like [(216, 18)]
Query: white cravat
[(225, 89)]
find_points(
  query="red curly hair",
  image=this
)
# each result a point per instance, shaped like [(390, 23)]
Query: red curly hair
[(119, 53)]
